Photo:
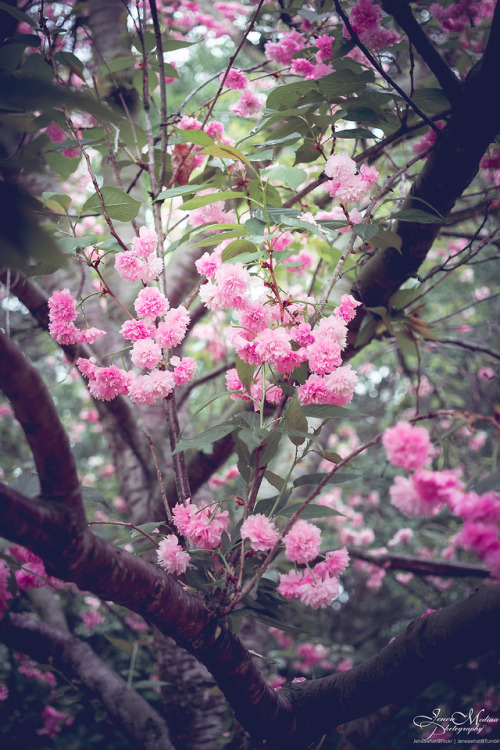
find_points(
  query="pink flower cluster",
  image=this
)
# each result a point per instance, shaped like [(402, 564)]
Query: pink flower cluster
[(156, 329), (481, 531), (319, 587), (62, 314), (32, 573), (425, 492), (203, 526), (261, 532), (266, 335), (407, 446), (54, 721), (171, 557), (346, 184), (140, 262), (365, 19)]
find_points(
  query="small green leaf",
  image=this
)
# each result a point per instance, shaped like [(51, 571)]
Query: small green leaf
[(270, 446), (386, 238), (315, 479), (227, 152), (310, 511), (295, 419), (180, 190), (418, 216), (18, 14), (274, 479), (56, 201), (236, 248), (148, 528), (406, 343), (199, 137), (366, 231), (170, 71), (327, 411), (119, 205), (245, 373), (169, 45), (120, 63), (205, 438), (206, 200)]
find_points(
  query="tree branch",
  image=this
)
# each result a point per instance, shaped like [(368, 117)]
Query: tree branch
[(401, 12), (420, 566), (80, 664), (35, 411)]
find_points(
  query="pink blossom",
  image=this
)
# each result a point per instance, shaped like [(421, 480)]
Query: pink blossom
[(437, 487), (235, 80), (248, 104), (145, 244), (87, 367), (171, 557), (62, 307), (261, 532), (92, 619), (334, 564), (402, 536), (313, 391), (172, 329), (407, 446), (184, 369), (480, 537), (91, 334), (54, 721), (255, 317), (233, 383), (55, 132), (134, 330), (311, 654), (302, 542), (4, 693), (324, 44), (146, 389), (335, 327), (290, 584), (108, 382), (273, 345), (347, 308), (316, 594), (146, 354), (485, 373), (324, 355), (283, 51), (214, 129), (152, 268), (32, 574), (302, 334), (64, 334), (203, 526), (129, 266), (231, 281), (303, 67), (208, 264), (404, 496), (188, 123), (340, 384), (151, 303)]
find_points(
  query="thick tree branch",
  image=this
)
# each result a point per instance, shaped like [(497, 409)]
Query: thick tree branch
[(421, 566), (81, 665), (37, 415), (450, 168), (401, 12), (426, 650)]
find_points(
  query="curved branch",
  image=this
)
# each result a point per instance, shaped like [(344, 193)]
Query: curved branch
[(35, 411), (421, 566), (76, 659), (426, 650), (401, 12)]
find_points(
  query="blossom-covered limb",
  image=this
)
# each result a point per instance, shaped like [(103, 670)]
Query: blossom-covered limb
[(77, 661)]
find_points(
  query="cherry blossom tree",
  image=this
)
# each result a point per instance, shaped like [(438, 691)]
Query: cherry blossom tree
[(245, 259)]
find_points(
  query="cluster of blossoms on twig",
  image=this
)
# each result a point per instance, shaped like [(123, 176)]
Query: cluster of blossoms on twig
[(426, 492)]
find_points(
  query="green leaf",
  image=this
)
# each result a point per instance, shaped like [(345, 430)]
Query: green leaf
[(431, 100), (245, 373), (71, 61), (404, 297), (18, 14), (270, 446), (228, 152), (285, 96), (355, 133), (406, 343), (315, 479), (345, 83), (199, 137), (327, 411), (291, 176), (307, 153), (366, 231), (386, 238), (206, 200), (119, 205), (418, 216), (274, 479), (56, 201), (170, 71), (236, 248), (120, 63), (181, 190), (169, 45), (205, 438), (295, 419), (310, 511)]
